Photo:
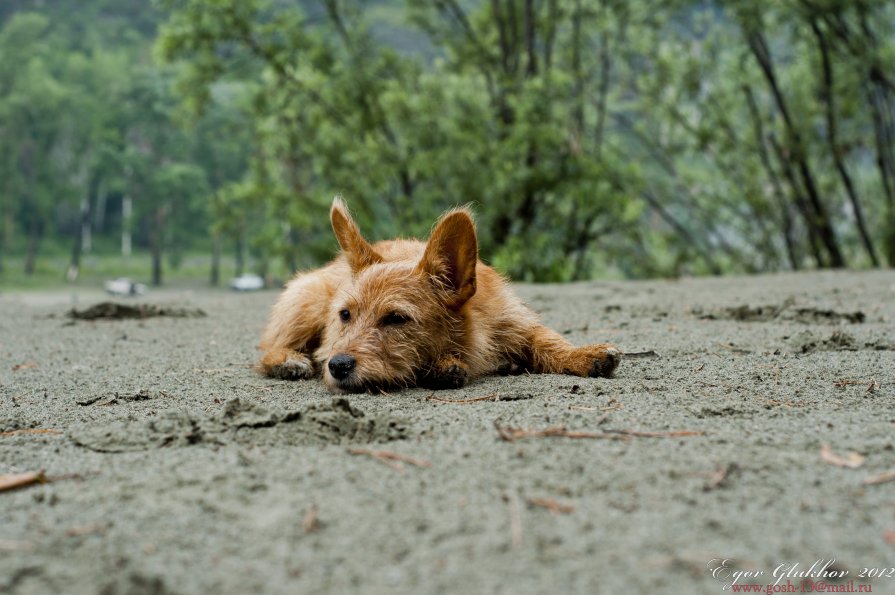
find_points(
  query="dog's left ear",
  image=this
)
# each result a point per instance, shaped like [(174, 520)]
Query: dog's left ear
[(451, 255), (358, 251)]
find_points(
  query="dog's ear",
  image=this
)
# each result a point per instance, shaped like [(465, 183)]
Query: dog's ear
[(357, 250), (451, 255)]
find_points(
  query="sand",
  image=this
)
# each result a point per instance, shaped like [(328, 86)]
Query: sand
[(175, 468)]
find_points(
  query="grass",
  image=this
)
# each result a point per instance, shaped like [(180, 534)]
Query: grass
[(192, 271)]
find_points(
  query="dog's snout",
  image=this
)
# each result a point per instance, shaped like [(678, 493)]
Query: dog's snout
[(341, 365)]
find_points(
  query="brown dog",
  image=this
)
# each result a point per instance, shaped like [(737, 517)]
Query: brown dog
[(401, 313)]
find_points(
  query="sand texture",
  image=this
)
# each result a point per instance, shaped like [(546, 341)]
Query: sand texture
[(759, 434)]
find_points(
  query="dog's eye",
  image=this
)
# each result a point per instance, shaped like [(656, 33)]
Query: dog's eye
[(344, 315), (395, 318)]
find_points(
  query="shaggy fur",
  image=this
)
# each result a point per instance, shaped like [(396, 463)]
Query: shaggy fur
[(402, 313)]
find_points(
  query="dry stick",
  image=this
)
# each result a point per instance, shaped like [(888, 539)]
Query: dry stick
[(21, 480), (852, 461), (715, 479), (30, 431), (511, 434), (552, 505), (720, 475), (881, 478), (310, 522), (642, 354), (672, 434), (612, 405), (515, 520), (392, 459), (15, 545), (495, 396)]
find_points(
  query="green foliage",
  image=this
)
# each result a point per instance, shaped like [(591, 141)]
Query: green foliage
[(592, 137)]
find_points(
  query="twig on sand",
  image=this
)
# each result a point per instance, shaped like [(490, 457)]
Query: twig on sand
[(511, 434), (719, 476), (515, 520), (672, 434), (880, 478), (851, 461), (552, 505), (30, 431), (21, 480), (642, 355), (872, 384), (611, 405), (15, 545), (495, 396), (392, 459), (310, 522)]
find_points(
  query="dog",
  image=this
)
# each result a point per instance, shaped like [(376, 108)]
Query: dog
[(403, 313)]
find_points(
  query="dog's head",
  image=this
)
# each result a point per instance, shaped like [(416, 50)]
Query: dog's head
[(387, 324)]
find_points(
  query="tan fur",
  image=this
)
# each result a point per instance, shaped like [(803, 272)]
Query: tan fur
[(418, 314)]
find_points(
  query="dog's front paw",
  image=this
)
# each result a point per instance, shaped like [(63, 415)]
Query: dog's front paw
[(292, 369), (447, 374), (606, 361), (286, 364)]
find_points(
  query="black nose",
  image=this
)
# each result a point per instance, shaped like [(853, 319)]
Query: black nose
[(340, 365)]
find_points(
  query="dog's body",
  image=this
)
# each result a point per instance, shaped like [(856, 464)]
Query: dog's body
[(402, 313)]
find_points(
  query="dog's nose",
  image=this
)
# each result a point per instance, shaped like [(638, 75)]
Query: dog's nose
[(340, 365)]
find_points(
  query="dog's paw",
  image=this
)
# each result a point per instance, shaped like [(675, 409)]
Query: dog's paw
[(292, 369), (447, 375), (605, 363)]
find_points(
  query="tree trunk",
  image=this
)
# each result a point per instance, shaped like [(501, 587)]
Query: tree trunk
[(81, 241), (126, 214), (818, 213), (785, 216), (6, 237), (240, 255), (99, 211), (829, 97), (35, 233), (800, 201), (885, 162), (156, 242), (682, 231), (215, 279), (603, 93)]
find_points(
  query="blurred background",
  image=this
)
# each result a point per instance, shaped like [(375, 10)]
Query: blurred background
[(188, 142)]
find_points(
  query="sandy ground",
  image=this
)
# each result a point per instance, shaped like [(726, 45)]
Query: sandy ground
[(175, 468)]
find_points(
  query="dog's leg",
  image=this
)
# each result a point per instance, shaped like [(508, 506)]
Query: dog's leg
[(552, 354), (447, 372), (296, 325)]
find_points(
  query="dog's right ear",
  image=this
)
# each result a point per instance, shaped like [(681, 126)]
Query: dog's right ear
[(357, 250), (451, 255)]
